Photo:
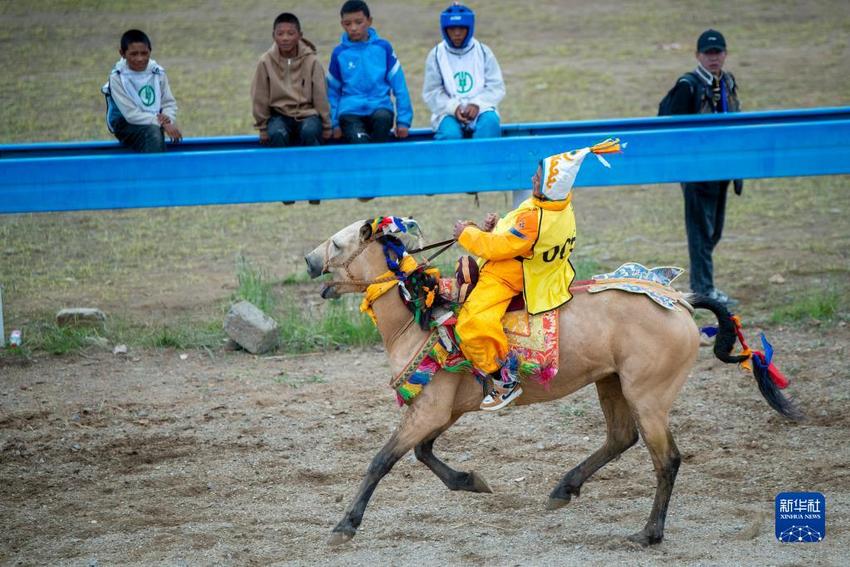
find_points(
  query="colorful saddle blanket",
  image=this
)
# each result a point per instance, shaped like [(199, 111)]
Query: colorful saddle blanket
[(532, 352)]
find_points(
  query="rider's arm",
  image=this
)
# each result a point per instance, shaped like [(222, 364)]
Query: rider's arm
[(503, 245)]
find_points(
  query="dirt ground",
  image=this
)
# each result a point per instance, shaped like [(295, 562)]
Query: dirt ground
[(231, 459)]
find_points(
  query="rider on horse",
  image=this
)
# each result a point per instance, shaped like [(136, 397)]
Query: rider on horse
[(525, 252)]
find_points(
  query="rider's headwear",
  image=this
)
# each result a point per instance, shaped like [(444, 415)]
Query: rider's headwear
[(457, 15), (560, 170)]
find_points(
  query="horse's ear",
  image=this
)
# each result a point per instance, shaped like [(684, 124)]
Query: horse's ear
[(365, 232)]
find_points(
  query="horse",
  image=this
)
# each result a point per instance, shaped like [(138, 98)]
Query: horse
[(637, 354)]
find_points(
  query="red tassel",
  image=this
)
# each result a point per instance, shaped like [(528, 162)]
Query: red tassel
[(778, 377)]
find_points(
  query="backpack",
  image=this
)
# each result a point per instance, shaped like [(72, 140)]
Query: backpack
[(696, 87)]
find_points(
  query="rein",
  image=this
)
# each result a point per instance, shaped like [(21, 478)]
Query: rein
[(396, 273)]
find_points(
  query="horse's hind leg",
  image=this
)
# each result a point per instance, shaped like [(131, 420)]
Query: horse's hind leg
[(666, 459), (622, 434), (454, 480)]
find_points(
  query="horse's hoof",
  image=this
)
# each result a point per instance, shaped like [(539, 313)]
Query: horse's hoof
[(645, 538), (339, 538), (479, 484)]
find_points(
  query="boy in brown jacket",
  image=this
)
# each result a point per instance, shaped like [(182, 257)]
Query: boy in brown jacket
[(289, 94)]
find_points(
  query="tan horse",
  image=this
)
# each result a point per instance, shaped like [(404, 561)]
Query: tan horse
[(636, 353)]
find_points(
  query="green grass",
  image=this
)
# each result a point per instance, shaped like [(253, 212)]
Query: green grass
[(339, 324), (255, 285), (818, 306)]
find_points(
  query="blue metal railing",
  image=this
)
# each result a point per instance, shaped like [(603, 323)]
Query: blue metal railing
[(206, 171)]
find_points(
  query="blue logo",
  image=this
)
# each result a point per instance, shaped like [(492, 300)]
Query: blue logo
[(800, 517)]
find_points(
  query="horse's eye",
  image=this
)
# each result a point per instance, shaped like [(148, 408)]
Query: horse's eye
[(335, 245)]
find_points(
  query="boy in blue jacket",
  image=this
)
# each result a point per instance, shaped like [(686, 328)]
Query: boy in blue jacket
[(362, 72)]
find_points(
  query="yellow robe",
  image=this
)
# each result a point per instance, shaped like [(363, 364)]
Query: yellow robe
[(531, 246)]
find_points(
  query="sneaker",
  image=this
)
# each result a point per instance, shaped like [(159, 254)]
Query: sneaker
[(500, 396)]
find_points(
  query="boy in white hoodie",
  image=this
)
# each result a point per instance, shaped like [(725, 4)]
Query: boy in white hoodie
[(139, 102), (463, 81)]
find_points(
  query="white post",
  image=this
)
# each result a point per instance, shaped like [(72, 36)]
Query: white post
[(2, 330)]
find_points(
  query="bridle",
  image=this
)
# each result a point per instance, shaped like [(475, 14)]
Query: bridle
[(346, 264)]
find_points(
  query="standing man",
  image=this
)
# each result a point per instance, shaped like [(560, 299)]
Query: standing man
[(706, 89)]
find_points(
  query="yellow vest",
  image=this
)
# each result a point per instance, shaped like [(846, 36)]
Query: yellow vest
[(547, 273)]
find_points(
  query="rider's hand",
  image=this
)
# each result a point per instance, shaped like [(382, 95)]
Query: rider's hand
[(264, 137), (337, 133), (490, 222), (460, 226), (401, 132)]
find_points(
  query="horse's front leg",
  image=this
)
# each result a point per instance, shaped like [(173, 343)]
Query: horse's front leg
[(381, 464), (453, 479), (430, 413)]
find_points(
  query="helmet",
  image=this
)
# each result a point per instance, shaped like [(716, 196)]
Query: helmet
[(458, 15)]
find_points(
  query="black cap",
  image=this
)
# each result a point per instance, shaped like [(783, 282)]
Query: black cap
[(711, 39)]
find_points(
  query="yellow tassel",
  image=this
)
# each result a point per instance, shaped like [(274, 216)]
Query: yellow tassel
[(376, 290), (609, 146), (429, 297)]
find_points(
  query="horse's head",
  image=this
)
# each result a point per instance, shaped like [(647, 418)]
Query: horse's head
[(354, 255)]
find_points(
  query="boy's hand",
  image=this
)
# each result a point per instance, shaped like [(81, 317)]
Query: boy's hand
[(401, 131), (337, 133), (173, 132), (326, 134), (490, 222), (264, 137), (162, 119), (471, 112), (459, 114)]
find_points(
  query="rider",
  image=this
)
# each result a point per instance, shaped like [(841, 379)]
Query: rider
[(526, 252)]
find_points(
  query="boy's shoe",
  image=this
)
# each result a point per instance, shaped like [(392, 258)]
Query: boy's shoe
[(314, 201), (501, 396)]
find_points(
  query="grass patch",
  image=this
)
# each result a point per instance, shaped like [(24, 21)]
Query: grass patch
[(818, 306), (182, 337), (341, 324), (255, 285)]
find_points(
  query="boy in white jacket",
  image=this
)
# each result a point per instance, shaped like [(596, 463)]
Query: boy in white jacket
[(139, 102), (463, 82)]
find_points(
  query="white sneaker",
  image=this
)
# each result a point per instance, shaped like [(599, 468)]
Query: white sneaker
[(500, 396)]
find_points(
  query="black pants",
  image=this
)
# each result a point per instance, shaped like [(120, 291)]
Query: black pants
[(143, 138), (365, 129), (705, 211), (287, 131)]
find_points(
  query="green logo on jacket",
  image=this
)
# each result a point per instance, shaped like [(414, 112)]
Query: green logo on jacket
[(464, 82), (147, 95)]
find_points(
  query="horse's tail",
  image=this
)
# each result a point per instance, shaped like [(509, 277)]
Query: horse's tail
[(724, 343)]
